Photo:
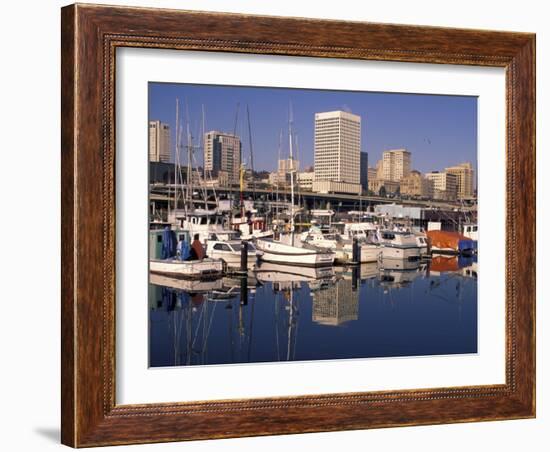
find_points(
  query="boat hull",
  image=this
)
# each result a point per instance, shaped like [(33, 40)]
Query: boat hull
[(369, 253), (233, 259), (200, 269), (393, 252), (280, 253)]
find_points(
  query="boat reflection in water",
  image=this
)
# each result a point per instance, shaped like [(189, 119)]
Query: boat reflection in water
[(287, 313)]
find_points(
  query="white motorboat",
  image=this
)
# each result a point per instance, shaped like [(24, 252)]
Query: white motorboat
[(328, 241), (229, 251), (285, 250), (364, 231), (399, 245), (194, 269), (369, 251)]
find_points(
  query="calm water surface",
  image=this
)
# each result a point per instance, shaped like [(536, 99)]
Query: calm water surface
[(284, 313)]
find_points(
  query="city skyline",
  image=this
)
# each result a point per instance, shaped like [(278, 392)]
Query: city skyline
[(438, 130)]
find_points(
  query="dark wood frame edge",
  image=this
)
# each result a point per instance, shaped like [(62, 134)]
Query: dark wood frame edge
[(90, 35)]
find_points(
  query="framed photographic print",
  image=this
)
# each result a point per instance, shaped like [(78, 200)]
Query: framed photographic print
[(281, 225)]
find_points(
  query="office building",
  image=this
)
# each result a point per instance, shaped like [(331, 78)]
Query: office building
[(416, 185), (305, 180), (338, 149), (465, 179), (372, 174), (382, 187), (396, 164), (159, 142), (222, 152), (444, 185)]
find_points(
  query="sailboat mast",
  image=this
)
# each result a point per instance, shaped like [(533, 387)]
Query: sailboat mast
[(278, 207), (251, 152), (176, 157), (291, 174), (189, 161)]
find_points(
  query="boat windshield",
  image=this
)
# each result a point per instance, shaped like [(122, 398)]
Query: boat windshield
[(238, 246)]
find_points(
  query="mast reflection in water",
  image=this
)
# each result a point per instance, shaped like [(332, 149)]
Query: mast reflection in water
[(279, 313)]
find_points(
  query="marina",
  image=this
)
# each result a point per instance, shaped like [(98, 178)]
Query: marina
[(338, 261)]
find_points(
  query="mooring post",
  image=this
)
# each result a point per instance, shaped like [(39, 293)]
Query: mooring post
[(244, 257), (354, 278), (244, 291), (355, 251)]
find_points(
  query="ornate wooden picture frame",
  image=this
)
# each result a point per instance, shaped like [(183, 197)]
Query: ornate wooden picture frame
[(90, 37)]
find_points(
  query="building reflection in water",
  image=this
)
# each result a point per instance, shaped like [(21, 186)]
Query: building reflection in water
[(336, 304)]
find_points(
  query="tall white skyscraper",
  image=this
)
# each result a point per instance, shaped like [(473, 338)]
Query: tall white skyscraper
[(159, 142), (337, 147), (396, 164), (222, 152)]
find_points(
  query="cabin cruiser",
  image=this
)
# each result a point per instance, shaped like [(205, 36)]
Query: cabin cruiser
[(364, 231), (369, 250), (328, 241), (399, 245), (229, 251), (204, 223)]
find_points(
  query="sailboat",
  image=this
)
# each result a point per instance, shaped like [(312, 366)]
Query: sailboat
[(247, 222), (286, 248)]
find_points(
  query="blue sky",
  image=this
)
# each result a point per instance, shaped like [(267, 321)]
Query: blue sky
[(438, 130)]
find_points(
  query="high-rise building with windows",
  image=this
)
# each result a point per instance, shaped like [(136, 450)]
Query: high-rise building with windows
[(159, 142), (465, 179), (222, 152), (444, 185), (338, 150), (396, 164), (372, 174)]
